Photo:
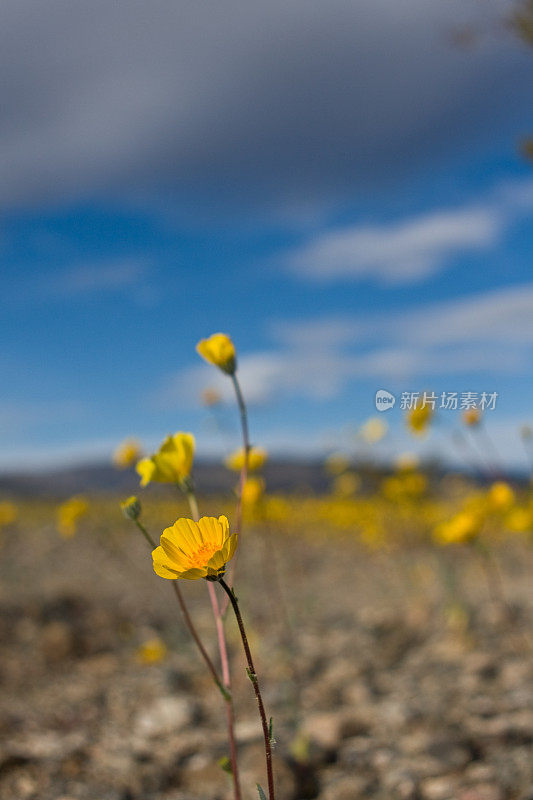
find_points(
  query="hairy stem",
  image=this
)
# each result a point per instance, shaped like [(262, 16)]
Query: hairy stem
[(186, 616), (255, 683), (243, 477), (246, 449), (224, 660), (145, 534)]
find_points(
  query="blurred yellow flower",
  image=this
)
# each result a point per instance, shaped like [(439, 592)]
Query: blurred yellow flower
[(406, 462), (210, 397), (220, 351), (172, 463), (519, 520), (526, 432), (256, 459), (457, 619), (152, 651), (127, 454), (337, 463), (463, 527), (68, 515), (501, 496), (8, 513), (277, 509), (253, 491), (472, 417), (418, 419), (195, 550), (415, 483), (373, 430), (346, 484)]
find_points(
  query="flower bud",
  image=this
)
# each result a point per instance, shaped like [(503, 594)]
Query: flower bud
[(131, 508)]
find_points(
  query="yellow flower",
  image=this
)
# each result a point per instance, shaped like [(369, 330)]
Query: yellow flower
[(406, 462), (152, 651), (501, 496), (127, 454), (220, 351), (210, 397), (256, 458), (172, 463), (346, 484), (414, 484), (519, 520), (373, 430), (253, 491), (472, 417), (195, 550), (464, 527), (277, 509), (68, 515), (526, 432), (419, 418), (337, 463), (8, 513)]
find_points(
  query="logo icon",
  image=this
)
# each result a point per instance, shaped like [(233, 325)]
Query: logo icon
[(384, 400)]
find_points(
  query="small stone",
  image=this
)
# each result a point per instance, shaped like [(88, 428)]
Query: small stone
[(336, 785), (57, 641), (442, 788), (480, 773), (356, 752), (248, 730), (324, 728), (164, 716), (482, 791)]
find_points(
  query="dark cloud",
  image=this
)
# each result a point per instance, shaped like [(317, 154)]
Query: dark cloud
[(276, 102)]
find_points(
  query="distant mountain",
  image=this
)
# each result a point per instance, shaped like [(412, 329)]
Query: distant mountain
[(210, 478), (281, 475)]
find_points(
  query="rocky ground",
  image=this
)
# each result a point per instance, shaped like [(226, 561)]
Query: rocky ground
[(381, 685)]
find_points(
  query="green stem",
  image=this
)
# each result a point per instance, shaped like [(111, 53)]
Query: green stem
[(145, 534), (244, 473), (193, 505), (243, 415)]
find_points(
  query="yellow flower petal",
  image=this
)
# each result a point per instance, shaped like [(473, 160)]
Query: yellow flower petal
[(220, 351), (256, 459), (146, 469), (172, 463), (193, 550), (193, 574)]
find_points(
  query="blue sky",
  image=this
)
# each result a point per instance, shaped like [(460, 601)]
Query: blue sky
[(338, 187)]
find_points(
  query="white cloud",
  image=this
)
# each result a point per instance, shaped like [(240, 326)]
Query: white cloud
[(414, 248), (500, 316), (28, 414), (265, 376), (490, 334), (85, 279), (322, 333), (398, 252)]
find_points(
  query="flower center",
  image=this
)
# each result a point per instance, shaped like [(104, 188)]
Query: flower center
[(202, 555)]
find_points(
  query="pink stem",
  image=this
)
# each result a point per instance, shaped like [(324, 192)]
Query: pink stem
[(226, 679)]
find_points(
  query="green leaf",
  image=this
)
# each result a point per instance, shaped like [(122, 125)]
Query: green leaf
[(262, 795), (225, 764), (224, 692), (271, 731)]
